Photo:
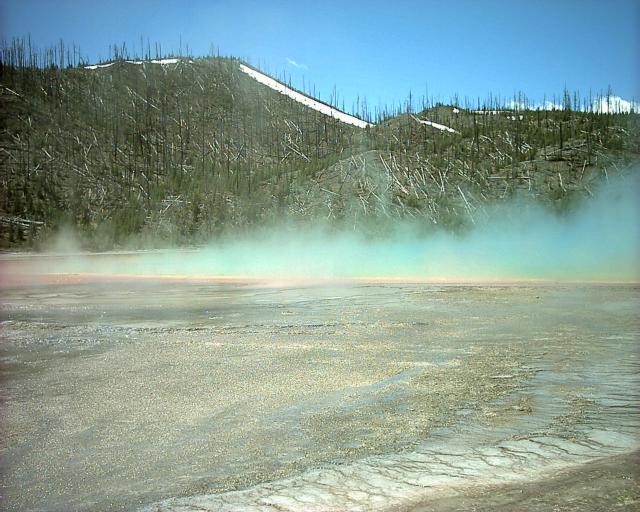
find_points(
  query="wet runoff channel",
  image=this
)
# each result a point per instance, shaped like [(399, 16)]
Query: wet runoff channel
[(175, 395)]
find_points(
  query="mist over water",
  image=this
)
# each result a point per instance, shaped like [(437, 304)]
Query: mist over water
[(599, 240)]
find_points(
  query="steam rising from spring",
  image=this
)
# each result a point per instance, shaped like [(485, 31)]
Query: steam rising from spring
[(597, 241)]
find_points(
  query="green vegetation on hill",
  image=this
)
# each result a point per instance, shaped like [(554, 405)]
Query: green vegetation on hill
[(140, 153)]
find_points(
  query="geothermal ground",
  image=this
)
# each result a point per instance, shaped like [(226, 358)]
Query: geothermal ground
[(201, 395)]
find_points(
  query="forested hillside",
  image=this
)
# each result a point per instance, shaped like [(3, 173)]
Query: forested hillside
[(179, 151)]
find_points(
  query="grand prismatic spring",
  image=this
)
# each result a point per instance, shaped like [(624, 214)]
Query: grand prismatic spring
[(316, 374)]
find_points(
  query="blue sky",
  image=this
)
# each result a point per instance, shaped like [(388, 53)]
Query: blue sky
[(375, 49)]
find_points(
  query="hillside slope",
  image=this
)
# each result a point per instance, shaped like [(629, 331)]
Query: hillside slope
[(178, 151)]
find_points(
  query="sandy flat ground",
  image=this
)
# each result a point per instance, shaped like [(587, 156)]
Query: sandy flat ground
[(168, 393)]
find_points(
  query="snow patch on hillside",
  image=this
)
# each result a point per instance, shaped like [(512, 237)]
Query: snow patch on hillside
[(303, 99), (163, 62), (437, 126), (96, 66)]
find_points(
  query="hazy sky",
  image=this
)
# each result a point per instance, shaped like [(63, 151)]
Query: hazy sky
[(377, 49)]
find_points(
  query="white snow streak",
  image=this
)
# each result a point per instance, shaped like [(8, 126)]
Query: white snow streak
[(301, 98), (139, 63), (435, 125), (156, 61), (96, 66)]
